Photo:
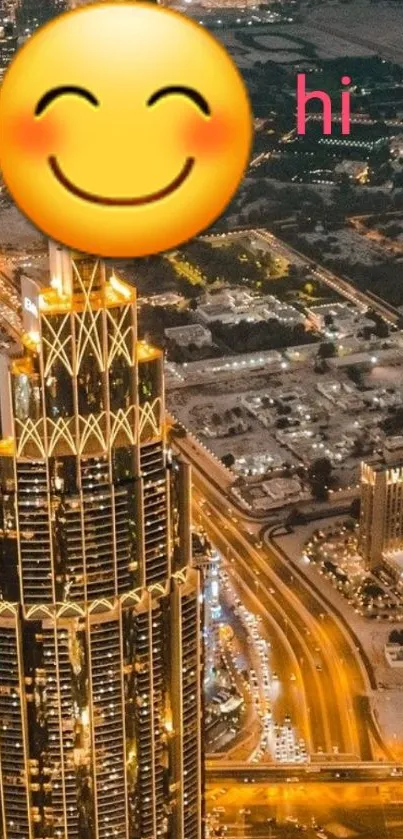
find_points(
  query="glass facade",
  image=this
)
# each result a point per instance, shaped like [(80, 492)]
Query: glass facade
[(381, 514), (100, 631)]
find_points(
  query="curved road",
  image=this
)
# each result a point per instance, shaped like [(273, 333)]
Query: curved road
[(327, 693), (336, 694)]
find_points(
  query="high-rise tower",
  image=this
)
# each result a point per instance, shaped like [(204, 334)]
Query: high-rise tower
[(381, 516), (100, 648)]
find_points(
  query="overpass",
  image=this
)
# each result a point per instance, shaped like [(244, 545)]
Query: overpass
[(324, 771)]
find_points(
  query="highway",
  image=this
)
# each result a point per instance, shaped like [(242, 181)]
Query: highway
[(313, 723), (330, 693), (288, 692), (228, 771), (327, 706)]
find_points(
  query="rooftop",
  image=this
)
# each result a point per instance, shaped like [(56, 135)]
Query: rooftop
[(191, 333), (54, 300)]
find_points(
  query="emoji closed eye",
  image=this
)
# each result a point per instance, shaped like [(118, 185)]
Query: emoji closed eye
[(181, 90), (64, 90)]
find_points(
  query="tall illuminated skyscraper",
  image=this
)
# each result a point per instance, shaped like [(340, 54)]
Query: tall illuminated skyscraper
[(381, 516), (100, 647)]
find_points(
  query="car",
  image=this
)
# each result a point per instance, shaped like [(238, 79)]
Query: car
[(274, 676)]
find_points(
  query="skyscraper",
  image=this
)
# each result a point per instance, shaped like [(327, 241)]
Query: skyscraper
[(100, 649), (381, 517)]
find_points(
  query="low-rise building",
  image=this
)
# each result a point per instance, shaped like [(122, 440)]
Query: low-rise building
[(393, 444), (232, 306), (340, 394), (271, 307), (194, 333), (356, 170), (339, 315), (282, 489), (394, 655)]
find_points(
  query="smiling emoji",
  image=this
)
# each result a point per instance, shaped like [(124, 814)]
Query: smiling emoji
[(125, 129)]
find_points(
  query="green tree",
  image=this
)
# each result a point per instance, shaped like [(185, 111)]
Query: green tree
[(319, 475), (326, 350)]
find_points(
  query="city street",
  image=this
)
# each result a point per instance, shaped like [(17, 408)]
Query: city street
[(333, 707), (274, 811), (328, 694)]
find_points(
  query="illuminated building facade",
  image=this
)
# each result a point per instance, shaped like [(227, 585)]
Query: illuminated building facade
[(100, 643), (381, 517)]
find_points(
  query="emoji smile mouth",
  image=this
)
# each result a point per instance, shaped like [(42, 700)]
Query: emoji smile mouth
[(121, 202)]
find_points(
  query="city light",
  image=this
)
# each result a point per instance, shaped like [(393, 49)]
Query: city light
[(201, 465)]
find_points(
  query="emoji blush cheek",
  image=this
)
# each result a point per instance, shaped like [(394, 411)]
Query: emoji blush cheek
[(36, 138), (203, 139)]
